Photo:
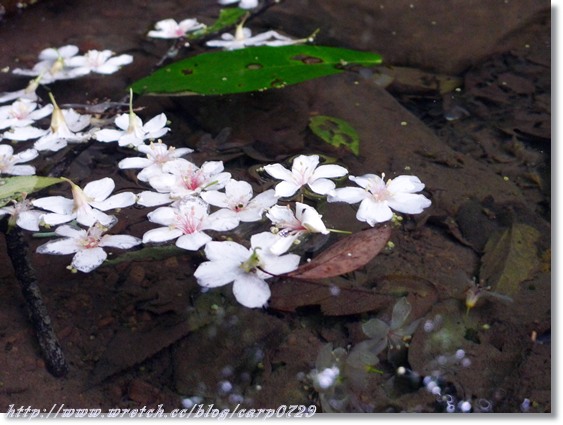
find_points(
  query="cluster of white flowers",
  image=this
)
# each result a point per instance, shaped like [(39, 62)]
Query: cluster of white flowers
[(194, 201)]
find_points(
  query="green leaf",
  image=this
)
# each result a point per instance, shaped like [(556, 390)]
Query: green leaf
[(148, 253), (227, 18), (250, 69), (14, 187), (336, 132)]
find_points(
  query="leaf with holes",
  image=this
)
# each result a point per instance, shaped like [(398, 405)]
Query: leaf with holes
[(336, 132), (251, 69), (346, 255)]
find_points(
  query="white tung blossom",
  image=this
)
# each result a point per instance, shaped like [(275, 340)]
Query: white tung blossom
[(10, 163), (157, 155), (52, 65), (132, 132), (86, 205), (169, 28), (290, 227), (87, 246), (238, 200), (247, 268), (98, 61), (187, 222), (305, 171), (378, 199), (183, 178), (22, 113)]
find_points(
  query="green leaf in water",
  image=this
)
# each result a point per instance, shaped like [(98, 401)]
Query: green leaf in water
[(148, 253), (510, 258), (250, 69), (336, 132), (12, 188), (227, 18)]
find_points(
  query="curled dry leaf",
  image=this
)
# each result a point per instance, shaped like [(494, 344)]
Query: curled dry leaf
[(346, 255)]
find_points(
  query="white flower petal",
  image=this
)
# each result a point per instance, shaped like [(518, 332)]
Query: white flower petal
[(120, 200), (108, 135), (284, 243), (221, 221), (88, 259), (286, 189), (29, 220), (164, 215), (329, 170), (21, 170), (136, 162), (228, 251), (278, 265), (251, 291), (373, 212), (56, 204), (99, 190), (63, 246), (53, 219), (216, 198), (155, 124), (120, 241), (212, 274), (70, 232), (408, 184), (278, 171), (322, 186), (153, 199), (161, 234), (193, 241), (409, 203), (350, 195)]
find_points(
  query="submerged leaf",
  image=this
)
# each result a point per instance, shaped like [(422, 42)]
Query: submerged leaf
[(333, 299), (336, 132), (346, 255), (250, 69), (13, 187), (510, 258)]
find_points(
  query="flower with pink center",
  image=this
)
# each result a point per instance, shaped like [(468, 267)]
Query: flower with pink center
[(11, 164), (186, 222), (169, 28), (87, 246), (290, 227), (182, 178), (22, 113), (305, 171), (238, 199), (378, 199)]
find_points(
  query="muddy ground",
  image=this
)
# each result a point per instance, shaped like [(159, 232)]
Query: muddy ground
[(465, 106)]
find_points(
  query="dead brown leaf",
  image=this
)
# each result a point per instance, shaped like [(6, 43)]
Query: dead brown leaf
[(346, 255)]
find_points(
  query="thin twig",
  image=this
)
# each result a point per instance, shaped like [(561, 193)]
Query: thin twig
[(52, 352)]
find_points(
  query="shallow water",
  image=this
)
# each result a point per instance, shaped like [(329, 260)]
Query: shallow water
[(142, 333)]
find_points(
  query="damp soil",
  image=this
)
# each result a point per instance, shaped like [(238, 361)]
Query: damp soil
[(463, 102)]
